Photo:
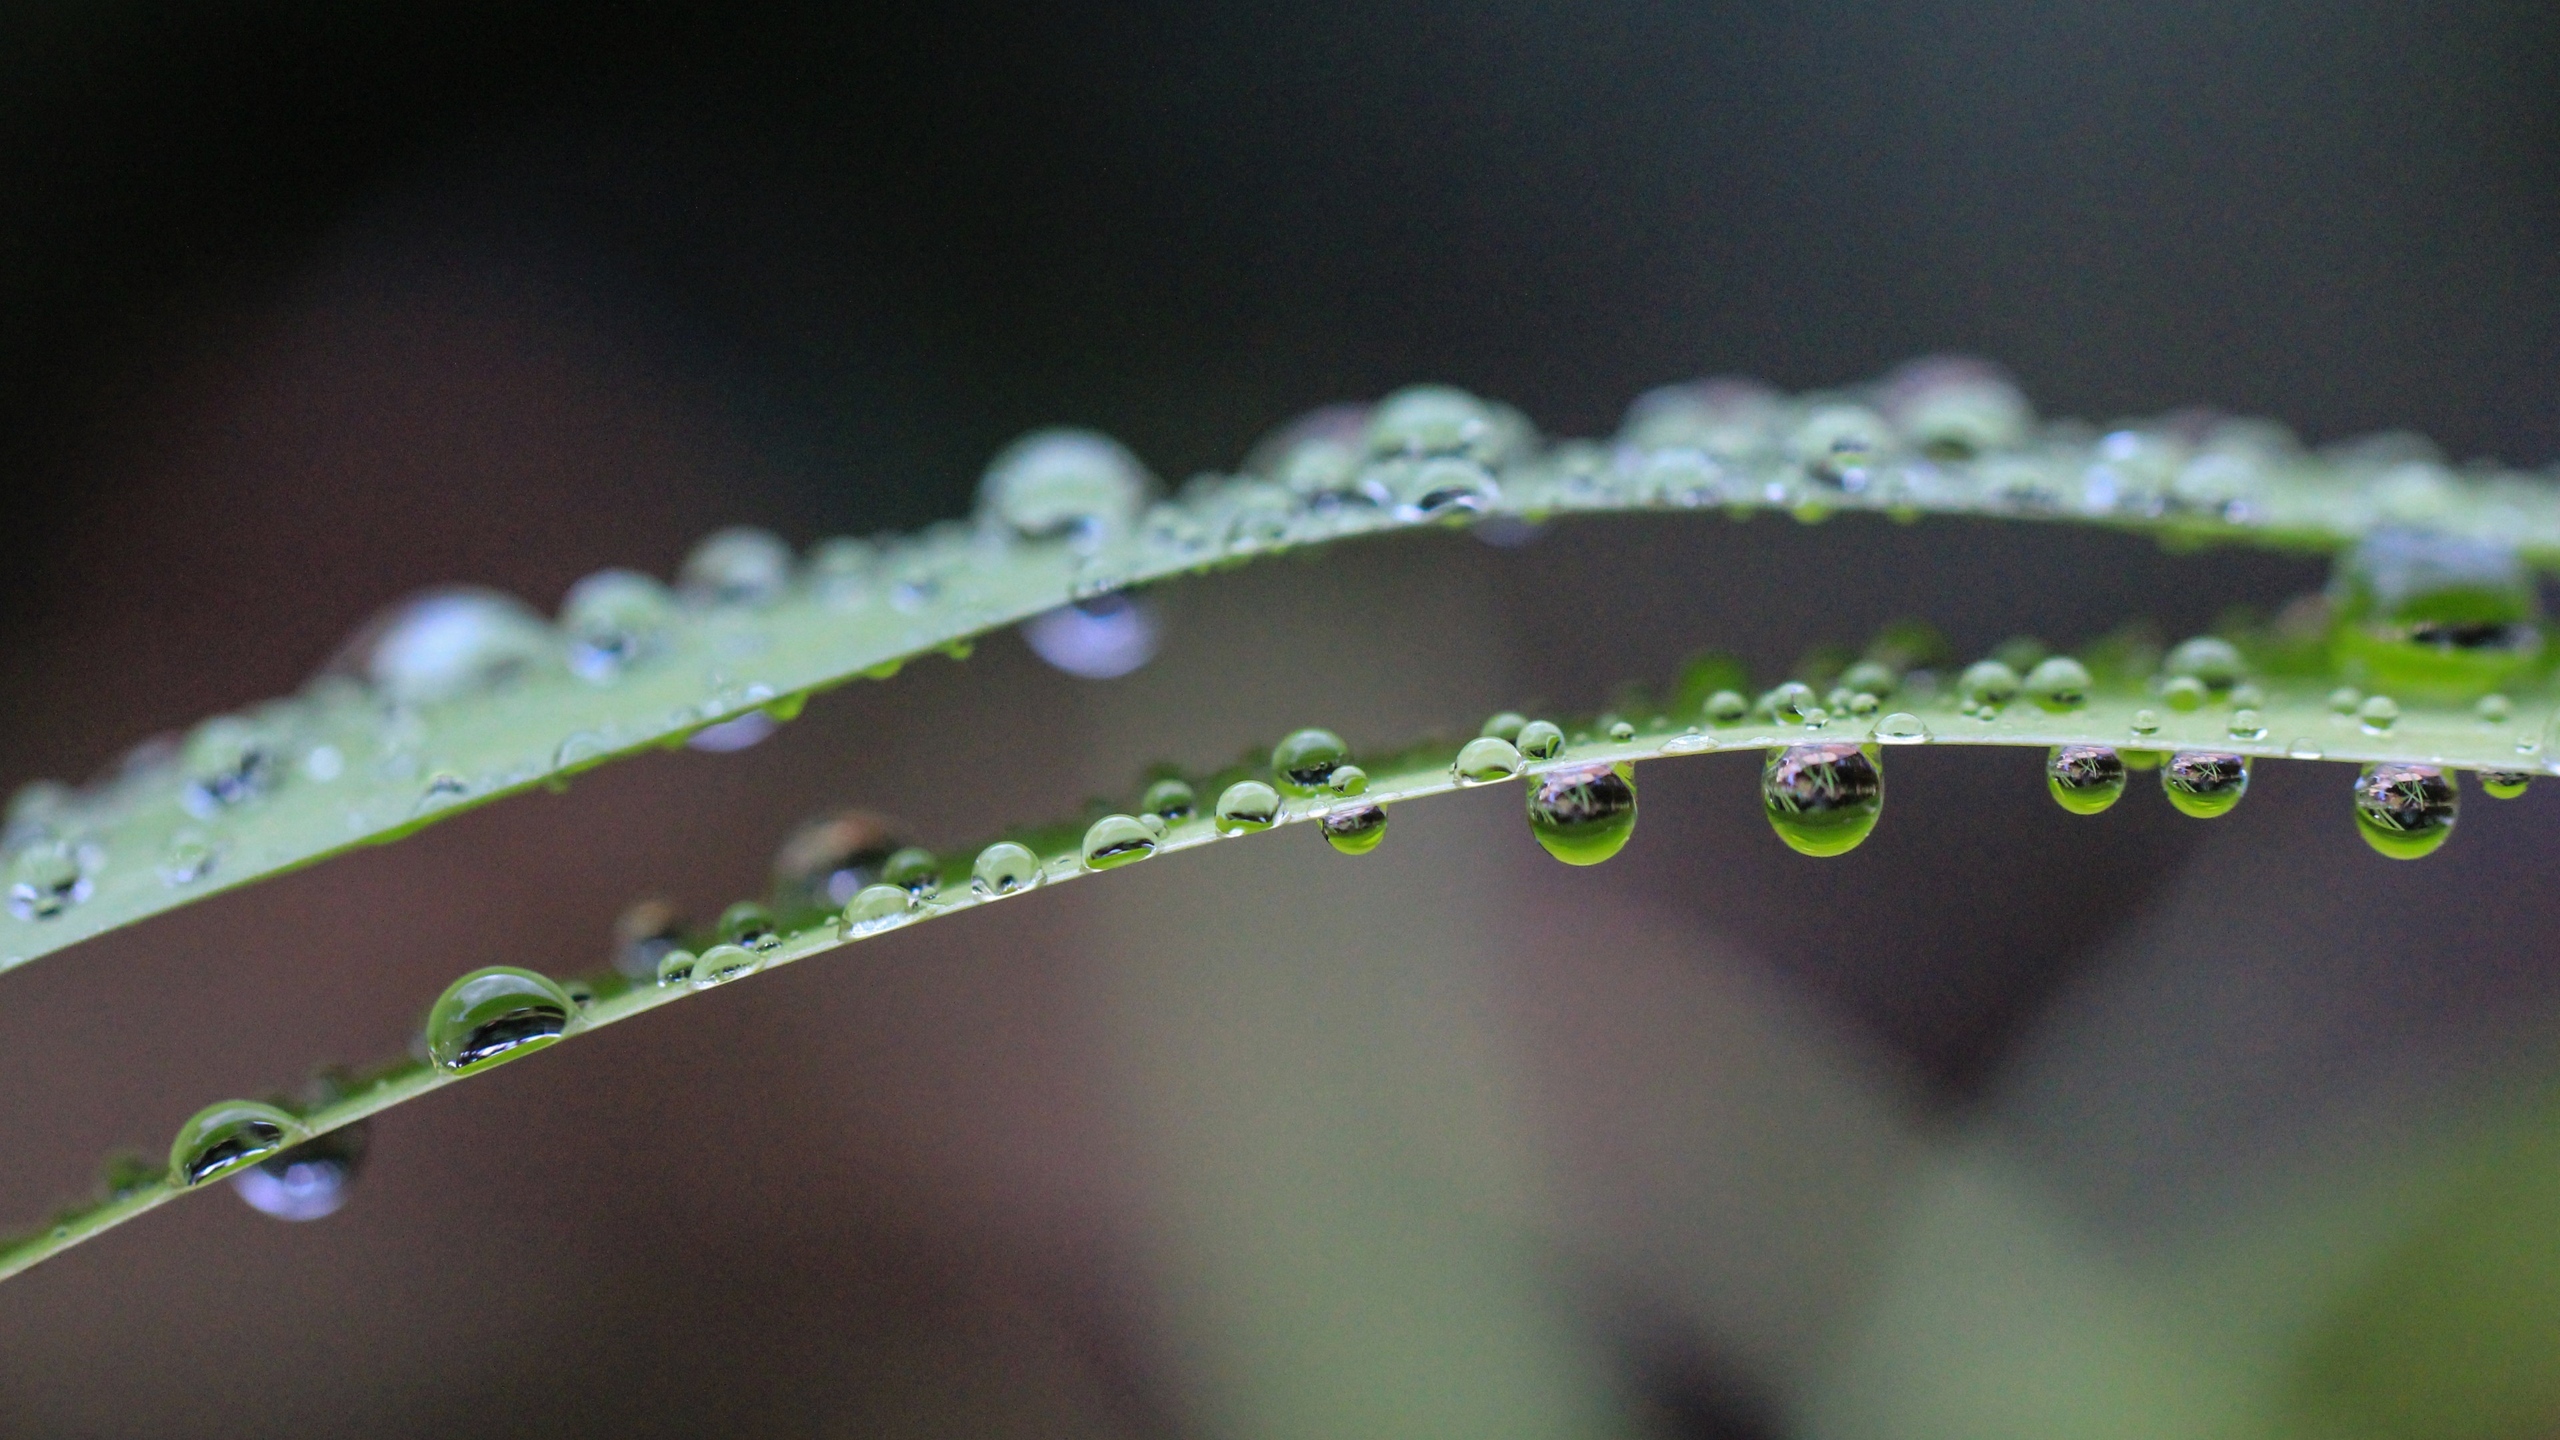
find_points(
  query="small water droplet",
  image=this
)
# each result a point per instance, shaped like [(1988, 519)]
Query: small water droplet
[(324, 764), (826, 860), (1102, 638), (45, 879), (2405, 811), (2248, 725), (447, 643), (1987, 684), (2345, 699), (308, 1181), (1430, 420), (2184, 693), (1622, 731), (723, 963), (229, 1136), (1583, 814), (229, 761), (676, 967), (1504, 726), (1355, 829), (1788, 701), (1902, 728), (1116, 840), (1004, 868), (1727, 706), (2378, 714), (2205, 783), (643, 934), (1541, 740), (1304, 762), (2084, 779), (188, 857), (2303, 747), (739, 566), (2058, 683), (2211, 661), (614, 619), (914, 870), (1955, 407), (2494, 709), (1484, 760), (1171, 798), (1823, 798), (2146, 722), (1347, 780), (2504, 784), (1688, 742), (735, 734), (494, 1015), (749, 925), (1079, 486), (875, 908), (1247, 806)]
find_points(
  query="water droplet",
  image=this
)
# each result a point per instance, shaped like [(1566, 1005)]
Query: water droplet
[(2212, 662), (2205, 783), (2248, 725), (1987, 684), (614, 619), (2436, 617), (1004, 868), (1902, 728), (2184, 693), (1583, 814), (723, 963), (494, 1015), (1347, 780), (447, 643), (875, 908), (229, 1136), (1504, 726), (1170, 798), (1955, 407), (1689, 742), (2058, 683), (2084, 779), (750, 926), (1103, 638), (1246, 806), (826, 860), (45, 879), (1823, 798), (2494, 709), (1116, 840), (187, 858), (914, 870), (741, 566), (1726, 706), (732, 735), (1428, 420), (229, 761), (676, 967), (2406, 811), (643, 934), (1541, 740), (1729, 417), (1788, 701), (2345, 699), (2303, 747), (1485, 759), (307, 1181), (324, 764), (2146, 722), (1840, 445), (1305, 761), (1074, 485), (2378, 714), (1355, 829), (2503, 784)]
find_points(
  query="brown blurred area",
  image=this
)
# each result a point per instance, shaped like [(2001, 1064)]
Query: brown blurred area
[(312, 309)]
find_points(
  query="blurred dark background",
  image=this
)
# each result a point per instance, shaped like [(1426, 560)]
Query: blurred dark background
[(303, 307)]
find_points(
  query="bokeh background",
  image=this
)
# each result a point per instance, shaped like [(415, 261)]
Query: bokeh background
[(2008, 1124)]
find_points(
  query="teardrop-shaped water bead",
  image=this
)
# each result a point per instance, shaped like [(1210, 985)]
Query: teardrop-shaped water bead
[(2205, 783), (1356, 829), (1583, 814), (1823, 799), (2084, 779), (229, 1136), (2406, 811), (307, 1181), (494, 1015)]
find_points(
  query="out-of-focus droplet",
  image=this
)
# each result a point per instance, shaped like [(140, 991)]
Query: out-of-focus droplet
[(2058, 683), (1103, 638), (1170, 798), (1116, 840), (1079, 486), (187, 857), (229, 1136), (2205, 783), (614, 619), (750, 926), (2247, 725), (1485, 759), (2406, 811), (914, 870), (1541, 740), (2378, 714), (229, 761), (822, 864), (2084, 779), (446, 643), (1729, 417), (740, 566), (1304, 762), (1422, 421), (2504, 784), (1987, 684), (308, 1181), (1840, 445), (1504, 726), (642, 936), (2209, 660), (1823, 799), (494, 1015), (2432, 616), (734, 734), (45, 879), (1356, 829), (1954, 407), (1583, 814), (1004, 868), (1247, 806)]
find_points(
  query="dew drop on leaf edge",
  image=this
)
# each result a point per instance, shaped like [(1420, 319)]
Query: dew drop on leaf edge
[(1823, 798), (494, 1015), (1355, 829), (2084, 779), (1583, 814), (2406, 812), (2205, 783), (229, 1136)]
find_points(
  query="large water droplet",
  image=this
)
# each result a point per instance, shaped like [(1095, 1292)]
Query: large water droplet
[(741, 565), (1823, 799), (450, 642), (307, 1181), (1116, 840), (2205, 783), (1004, 868), (1247, 806), (2406, 811), (826, 860), (614, 619), (1102, 638), (229, 1136), (2084, 779), (1073, 485), (494, 1015), (1355, 829), (45, 879), (1304, 762), (2433, 616), (1485, 759), (642, 936), (1583, 814)]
